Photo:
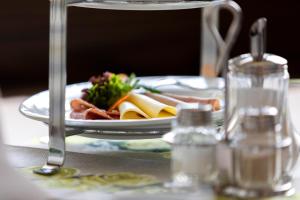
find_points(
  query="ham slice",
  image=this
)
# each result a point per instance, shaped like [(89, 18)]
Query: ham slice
[(84, 110), (164, 99), (96, 113), (114, 114), (79, 105), (215, 103), (91, 113)]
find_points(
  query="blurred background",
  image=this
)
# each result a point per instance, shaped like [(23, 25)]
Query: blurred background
[(146, 43)]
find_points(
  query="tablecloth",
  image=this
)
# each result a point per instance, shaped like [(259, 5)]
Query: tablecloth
[(102, 168)]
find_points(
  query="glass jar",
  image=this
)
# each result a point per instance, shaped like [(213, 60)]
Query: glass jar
[(256, 84), (257, 154), (193, 158)]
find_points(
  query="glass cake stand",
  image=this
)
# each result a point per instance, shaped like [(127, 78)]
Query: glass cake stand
[(57, 59)]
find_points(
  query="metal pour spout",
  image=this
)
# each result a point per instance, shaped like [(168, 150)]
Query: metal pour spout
[(258, 39)]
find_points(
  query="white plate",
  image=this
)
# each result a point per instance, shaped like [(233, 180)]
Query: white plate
[(37, 107)]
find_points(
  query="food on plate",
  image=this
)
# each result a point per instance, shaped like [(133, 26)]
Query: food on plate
[(108, 88), (130, 111), (151, 107), (215, 103), (114, 96), (79, 105), (115, 105), (174, 100), (84, 110), (164, 99)]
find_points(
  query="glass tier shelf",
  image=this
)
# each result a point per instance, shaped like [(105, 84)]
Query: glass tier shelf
[(143, 4)]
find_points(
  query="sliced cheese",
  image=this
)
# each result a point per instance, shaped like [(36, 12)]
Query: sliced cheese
[(130, 111), (151, 107)]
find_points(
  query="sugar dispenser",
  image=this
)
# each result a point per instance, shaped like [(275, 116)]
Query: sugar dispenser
[(257, 80)]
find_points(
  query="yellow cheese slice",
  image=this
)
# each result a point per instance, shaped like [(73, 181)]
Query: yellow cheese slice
[(151, 107), (130, 111)]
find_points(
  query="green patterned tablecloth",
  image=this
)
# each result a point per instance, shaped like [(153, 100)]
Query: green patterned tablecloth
[(104, 169), (116, 168)]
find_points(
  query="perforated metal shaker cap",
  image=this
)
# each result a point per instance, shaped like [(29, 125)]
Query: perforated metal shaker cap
[(259, 119), (194, 114)]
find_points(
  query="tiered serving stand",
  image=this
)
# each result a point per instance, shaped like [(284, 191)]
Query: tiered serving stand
[(57, 61)]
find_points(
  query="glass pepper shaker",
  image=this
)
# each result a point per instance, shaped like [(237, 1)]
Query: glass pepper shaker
[(257, 154), (194, 141)]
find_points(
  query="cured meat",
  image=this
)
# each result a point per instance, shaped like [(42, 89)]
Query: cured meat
[(215, 103), (84, 110), (96, 113), (164, 99), (114, 114), (91, 113), (79, 105)]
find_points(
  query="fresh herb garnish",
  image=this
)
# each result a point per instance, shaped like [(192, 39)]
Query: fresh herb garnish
[(149, 89), (108, 88)]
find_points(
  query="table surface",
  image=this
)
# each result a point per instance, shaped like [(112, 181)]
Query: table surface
[(27, 140)]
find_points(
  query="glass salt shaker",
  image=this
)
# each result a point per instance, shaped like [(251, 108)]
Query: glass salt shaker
[(257, 155), (193, 147)]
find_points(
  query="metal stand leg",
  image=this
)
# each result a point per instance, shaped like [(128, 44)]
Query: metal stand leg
[(57, 84), (209, 48)]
